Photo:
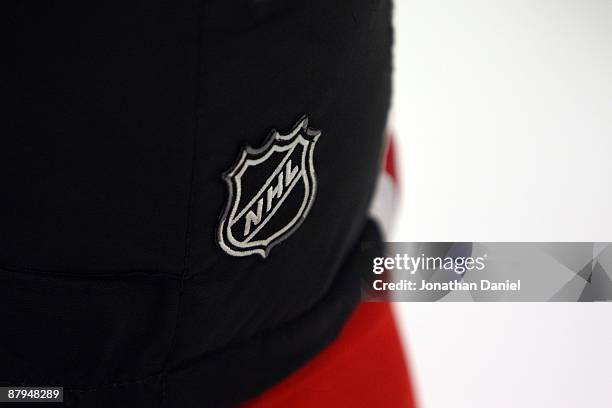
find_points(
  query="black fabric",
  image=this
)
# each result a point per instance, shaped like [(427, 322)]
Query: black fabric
[(122, 118), (77, 347)]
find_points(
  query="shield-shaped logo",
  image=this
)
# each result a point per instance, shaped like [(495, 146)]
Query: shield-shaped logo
[(270, 191)]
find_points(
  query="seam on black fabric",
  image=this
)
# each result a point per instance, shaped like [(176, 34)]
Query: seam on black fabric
[(185, 271), (25, 383), (98, 275), (163, 375)]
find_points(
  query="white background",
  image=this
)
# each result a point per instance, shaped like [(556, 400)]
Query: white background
[(503, 110)]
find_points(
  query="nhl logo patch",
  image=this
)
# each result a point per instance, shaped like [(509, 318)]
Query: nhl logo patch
[(270, 191)]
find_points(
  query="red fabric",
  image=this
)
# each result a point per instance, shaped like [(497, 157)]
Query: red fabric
[(389, 162), (364, 367)]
